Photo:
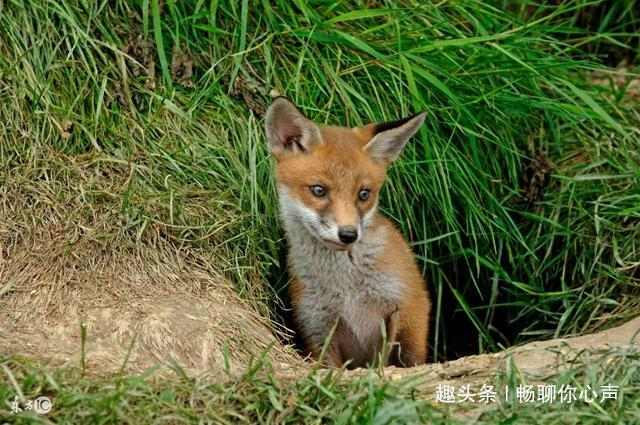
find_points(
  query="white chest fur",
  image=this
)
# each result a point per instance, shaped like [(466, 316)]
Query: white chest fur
[(341, 284)]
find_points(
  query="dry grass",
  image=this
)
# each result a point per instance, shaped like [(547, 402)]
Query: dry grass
[(65, 266)]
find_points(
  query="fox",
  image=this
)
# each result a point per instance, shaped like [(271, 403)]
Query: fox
[(355, 283)]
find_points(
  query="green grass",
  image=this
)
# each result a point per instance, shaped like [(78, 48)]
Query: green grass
[(262, 396), (506, 259), (606, 28)]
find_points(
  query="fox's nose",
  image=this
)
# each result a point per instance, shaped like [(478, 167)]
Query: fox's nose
[(348, 234)]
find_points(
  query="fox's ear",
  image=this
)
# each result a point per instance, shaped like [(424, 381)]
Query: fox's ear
[(390, 137), (288, 131)]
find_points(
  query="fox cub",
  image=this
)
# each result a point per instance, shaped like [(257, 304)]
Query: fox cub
[(351, 266)]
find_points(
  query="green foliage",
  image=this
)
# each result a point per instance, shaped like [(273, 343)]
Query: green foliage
[(261, 395), (608, 28)]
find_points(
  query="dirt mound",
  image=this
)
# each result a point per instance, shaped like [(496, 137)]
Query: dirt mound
[(146, 302)]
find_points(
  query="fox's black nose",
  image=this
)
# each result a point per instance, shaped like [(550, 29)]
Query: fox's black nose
[(348, 234)]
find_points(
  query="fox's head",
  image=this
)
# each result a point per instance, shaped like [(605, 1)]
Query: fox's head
[(328, 178)]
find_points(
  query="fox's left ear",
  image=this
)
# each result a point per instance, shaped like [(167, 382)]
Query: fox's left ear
[(390, 137)]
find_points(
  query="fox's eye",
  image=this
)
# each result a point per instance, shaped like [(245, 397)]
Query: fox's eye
[(363, 195), (318, 190)]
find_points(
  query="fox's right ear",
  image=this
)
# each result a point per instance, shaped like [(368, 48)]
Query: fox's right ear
[(288, 131)]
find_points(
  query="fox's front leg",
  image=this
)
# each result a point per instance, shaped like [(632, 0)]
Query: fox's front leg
[(412, 323), (316, 321), (392, 326), (316, 341)]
